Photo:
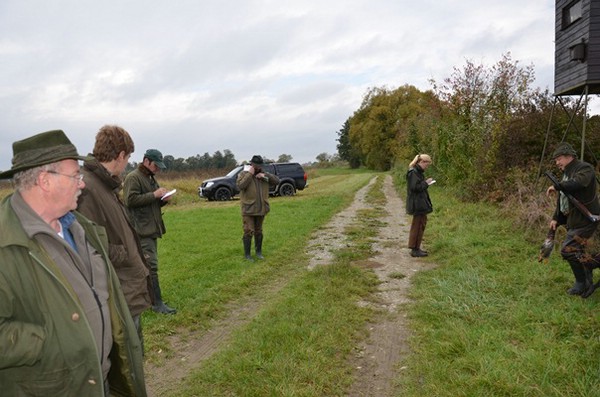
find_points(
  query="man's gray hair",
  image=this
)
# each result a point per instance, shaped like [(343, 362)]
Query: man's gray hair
[(27, 179)]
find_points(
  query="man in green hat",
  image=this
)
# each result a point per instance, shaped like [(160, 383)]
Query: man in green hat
[(66, 328), (579, 181), (144, 199)]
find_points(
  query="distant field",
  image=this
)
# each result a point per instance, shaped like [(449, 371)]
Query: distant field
[(186, 183), (5, 188)]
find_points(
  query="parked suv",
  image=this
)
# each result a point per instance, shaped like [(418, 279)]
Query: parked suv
[(291, 178)]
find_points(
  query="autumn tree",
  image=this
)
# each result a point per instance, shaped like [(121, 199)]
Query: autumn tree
[(345, 150), (481, 104), (389, 125)]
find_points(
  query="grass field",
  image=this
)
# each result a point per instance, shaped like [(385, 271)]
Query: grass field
[(488, 321)]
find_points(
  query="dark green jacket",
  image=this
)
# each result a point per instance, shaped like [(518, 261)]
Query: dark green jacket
[(581, 184), (144, 208), (47, 347), (254, 193)]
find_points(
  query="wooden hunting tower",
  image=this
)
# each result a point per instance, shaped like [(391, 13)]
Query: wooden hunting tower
[(577, 47), (576, 62)]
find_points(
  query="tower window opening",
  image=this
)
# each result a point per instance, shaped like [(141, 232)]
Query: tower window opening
[(572, 14)]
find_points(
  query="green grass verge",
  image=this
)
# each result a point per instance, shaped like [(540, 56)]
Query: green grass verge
[(490, 320)]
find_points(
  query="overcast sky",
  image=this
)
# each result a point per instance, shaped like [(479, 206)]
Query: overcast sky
[(255, 77)]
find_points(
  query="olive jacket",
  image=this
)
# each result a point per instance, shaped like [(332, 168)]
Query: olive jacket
[(417, 195), (100, 202), (144, 209), (47, 347), (254, 193)]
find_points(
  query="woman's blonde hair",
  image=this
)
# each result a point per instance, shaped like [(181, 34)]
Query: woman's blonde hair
[(420, 157)]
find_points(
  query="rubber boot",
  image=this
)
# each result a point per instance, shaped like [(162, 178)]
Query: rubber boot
[(247, 245), (589, 282), (258, 239), (581, 283), (160, 306)]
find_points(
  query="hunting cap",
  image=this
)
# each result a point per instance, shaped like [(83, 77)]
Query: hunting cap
[(156, 157), (256, 159), (41, 149), (564, 149)]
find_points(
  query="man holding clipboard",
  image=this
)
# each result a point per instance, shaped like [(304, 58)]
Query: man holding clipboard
[(144, 199)]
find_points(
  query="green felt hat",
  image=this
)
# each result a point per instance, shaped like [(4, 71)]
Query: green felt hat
[(44, 148), (564, 149)]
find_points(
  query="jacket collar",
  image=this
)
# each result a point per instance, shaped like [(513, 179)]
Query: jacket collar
[(97, 169), (20, 222), (418, 168), (145, 170), (573, 164)]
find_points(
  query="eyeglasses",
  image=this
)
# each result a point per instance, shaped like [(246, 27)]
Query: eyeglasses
[(78, 178)]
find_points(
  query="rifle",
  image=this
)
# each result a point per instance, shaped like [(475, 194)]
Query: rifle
[(573, 200)]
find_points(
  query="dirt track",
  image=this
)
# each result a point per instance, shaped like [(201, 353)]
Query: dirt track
[(376, 360)]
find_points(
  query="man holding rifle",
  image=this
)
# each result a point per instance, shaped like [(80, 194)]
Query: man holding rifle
[(576, 205)]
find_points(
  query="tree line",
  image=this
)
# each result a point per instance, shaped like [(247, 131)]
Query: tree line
[(218, 160), (483, 126)]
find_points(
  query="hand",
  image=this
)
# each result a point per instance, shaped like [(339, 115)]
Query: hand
[(161, 191), (260, 175), (428, 180), (251, 170), (553, 224), (550, 190)]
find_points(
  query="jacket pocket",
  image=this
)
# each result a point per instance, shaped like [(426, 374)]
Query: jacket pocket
[(249, 208), (52, 383), (117, 254)]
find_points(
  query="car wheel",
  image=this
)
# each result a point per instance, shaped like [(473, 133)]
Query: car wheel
[(222, 194), (287, 189)]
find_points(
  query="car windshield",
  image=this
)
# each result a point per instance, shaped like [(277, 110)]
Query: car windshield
[(235, 171)]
